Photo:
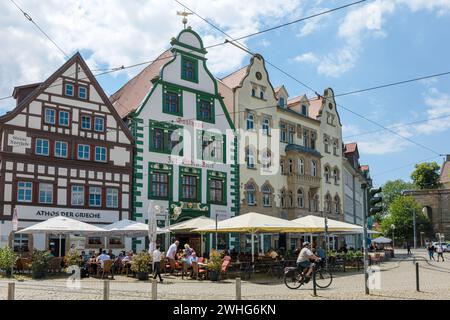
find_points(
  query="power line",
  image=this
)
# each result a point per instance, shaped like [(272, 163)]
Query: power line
[(405, 166), (29, 18)]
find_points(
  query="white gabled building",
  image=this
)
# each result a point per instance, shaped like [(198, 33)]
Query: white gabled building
[(185, 143), (64, 150)]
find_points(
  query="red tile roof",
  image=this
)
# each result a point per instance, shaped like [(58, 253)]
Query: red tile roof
[(314, 107), (350, 147), (234, 79)]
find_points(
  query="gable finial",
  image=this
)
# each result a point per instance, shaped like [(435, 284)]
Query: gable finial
[(184, 14)]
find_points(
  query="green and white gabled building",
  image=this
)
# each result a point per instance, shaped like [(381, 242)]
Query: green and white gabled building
[(186, 154)]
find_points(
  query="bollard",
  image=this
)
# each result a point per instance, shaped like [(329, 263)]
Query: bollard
[(417, 277), (154, 290), (238, 289), (11, 289), (314, 284), (106, 290)]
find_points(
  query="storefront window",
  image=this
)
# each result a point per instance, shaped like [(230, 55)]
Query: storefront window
[(95, 241), (21, 242)]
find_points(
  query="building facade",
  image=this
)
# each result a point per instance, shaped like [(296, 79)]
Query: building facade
[(185, 144), (64, 150)]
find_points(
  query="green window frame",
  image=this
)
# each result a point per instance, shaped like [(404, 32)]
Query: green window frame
[(155, 169), (213, 178), (185, 182), (203, 137), (169, 94), (160, 134), (189, 69), (203, 114)]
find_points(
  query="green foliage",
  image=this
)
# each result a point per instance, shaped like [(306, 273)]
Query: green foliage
[(141, 262), (391, 190), (215, 261), (72, 258), (7, 258), (39, 263), (401, 216), (426, 175)]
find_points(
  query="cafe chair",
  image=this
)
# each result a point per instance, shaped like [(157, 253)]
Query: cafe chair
[(54, 265), (224, 268), (106, 269), (197, 272)]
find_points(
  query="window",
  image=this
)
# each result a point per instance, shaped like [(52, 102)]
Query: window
[(306, 138), (158, 139), (45, 193), (160, 184), (250, 195), (313, 168), (68, 90), (261, 93), (283, 132), (164, 138), (189, 187), (99, 124), (95, 196), (336, 176), (290, 200), (253, 92), (315, 203), (250, 157), (300, 199), (290, 166), (313, 140), (281, 102), (283, 199), (42, 147), (84, 152), (301, 166), (335, 147), (250, 121), (282, 166), (304, 110), (21, 242), (216, 190), (327, 174), (82, 92), (50, 116), (266, 192), (205, 112), (212, 147), (328, 203), (100, 154), (77, 195), (85, 122), (337, 205), (265, 126), (291, 134), (326, 142), (266, 159), (112, 198), (24, 191), (188, 69), (172, 103), (61, 149), (63, 118)]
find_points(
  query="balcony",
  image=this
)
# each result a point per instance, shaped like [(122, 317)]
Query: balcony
[(297, 179), (301, 149)]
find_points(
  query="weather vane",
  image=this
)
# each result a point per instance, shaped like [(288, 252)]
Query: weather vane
[(184, 14)]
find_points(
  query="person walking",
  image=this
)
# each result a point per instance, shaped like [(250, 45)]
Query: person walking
[(171, 253), (408, 247), (431, 251), (440, 252), (157, 263)]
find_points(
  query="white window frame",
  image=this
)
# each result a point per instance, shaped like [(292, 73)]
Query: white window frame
[(250, 120), (47, 189), (89, 152), (56, 148), (112, 195), (27, 186), (95, 124), (95, 191), (45, 116), (78, 195), (105, 152), (42, 147), (59, 118)]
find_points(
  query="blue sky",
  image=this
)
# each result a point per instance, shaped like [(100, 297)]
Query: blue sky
[(369, 44)]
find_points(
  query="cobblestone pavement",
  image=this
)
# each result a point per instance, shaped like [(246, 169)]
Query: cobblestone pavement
[(397, 282)]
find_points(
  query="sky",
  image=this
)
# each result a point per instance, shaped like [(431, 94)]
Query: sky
[(369, 44)]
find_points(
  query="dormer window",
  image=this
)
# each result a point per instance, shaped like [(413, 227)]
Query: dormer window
[(281, 102), (261, 93), (68, 89), (82, 92), (189, 69), (304, 110)]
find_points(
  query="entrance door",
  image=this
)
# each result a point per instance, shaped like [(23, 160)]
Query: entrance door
[(53, 242), (192, 240)]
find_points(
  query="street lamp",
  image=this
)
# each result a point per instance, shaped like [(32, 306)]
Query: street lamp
[(393, 228)]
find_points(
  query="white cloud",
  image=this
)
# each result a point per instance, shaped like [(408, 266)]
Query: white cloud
[(306, 57), (121, 33), (312, 25), (438, 105)]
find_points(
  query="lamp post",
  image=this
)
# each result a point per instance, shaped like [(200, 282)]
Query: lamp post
[(421, 238), (414, 229), (393, 236)]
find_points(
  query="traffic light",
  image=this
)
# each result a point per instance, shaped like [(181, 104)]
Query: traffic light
[(373, 201)]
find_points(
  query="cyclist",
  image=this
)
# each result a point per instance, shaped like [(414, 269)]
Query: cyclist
[(303, 260)]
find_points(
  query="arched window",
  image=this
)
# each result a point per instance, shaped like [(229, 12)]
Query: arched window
[(337, 205), (335, 147), (250, 194), (250, 157), (266, 193), (326, 143), (301, 166), (290, 166), (290, 200), (328, 203), (315, 203), (283, 200), (266, 159), (327, 174), (300, 199), (282, 166), (313, 168), (336, 175)]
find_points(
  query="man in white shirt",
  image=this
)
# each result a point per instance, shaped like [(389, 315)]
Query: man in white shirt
[(171, 255), (157, 263), (440, 251), (303, 260), (103, 257)]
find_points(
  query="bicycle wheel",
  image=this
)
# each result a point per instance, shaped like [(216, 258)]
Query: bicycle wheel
[(294, 281), (323, 278)]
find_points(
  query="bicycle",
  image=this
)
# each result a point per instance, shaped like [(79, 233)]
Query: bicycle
[(294, 277)]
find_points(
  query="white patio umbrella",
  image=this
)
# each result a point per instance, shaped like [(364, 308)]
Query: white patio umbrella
[(152, 227), (316, 224), (129, 228), (252, 223), (382, 240), (63, 225)]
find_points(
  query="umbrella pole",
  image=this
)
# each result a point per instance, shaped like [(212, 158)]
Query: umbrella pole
[(60, 244), (253, 248), (106, 243)]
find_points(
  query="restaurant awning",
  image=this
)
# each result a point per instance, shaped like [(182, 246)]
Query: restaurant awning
[(129, 228), (63, 225), (316, 224), (191, 224)]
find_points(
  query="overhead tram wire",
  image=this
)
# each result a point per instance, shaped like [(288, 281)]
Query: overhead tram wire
[(402, 167), (310, 88), (29, 18)]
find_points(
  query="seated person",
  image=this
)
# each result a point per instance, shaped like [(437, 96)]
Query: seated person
[(103, 257), (111, 254), (84, 257), (128, 257)]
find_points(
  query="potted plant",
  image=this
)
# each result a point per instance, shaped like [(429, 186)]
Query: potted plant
[(214, 265), (7, 259), (72, 258), (39, 263), (141, 265)]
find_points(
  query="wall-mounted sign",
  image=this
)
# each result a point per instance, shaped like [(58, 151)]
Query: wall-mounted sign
[(19, 141), (85, 215)]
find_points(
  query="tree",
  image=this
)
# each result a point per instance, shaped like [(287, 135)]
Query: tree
[(426, 175), (390, 191), (401, 216)]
